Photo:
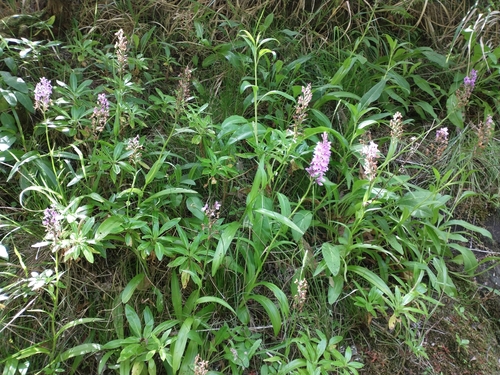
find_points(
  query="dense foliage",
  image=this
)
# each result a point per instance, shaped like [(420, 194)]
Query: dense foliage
[(242, 211)]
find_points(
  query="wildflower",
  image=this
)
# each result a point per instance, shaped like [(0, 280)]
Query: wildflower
[(301, 296), (101, 113), (212, 212), (236, 357), (465, 91), (396, 125), (52, 222), (183, 89), (470, 81), (441, 142), (200, 366), (370, 154), (484, 132), (320, 161), (135, 146), (43, 90), (301, 109), (121, 49)]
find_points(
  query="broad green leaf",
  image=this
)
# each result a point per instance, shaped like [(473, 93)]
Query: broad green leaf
[(335, 288), (103, 362), (180, 344), (455, 114), (225, 240), (131, 287), (282, 219), (31, 351), (372, 278), (331, 255), (80, 350), (372, 95), (466, 257), (111, 225), (210, 299), (75, 323), (16, 83), (169, 191), (138, 367), (154, 170), (303, 220), (468, 226), (427, 108), (284, 205), (10, 367), (133, 320), (280, 296), (293, 365), (271, 310)]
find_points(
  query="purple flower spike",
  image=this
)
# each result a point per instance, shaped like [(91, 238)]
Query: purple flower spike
[(321, 159), (43, 90), (470, 81)]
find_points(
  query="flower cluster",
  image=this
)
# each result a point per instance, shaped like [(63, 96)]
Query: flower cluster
[(52, 222), (301, 296), (212, 213), (135, 146), (121, 50), (183, 91), (396, 125), (101, 114), (465, 91), (320, 161), (301, 109), (200, 366), (440, 143), (43, 91), (370, 155), (484, 132)]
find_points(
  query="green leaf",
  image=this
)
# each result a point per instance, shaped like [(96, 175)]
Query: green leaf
[(80, 350), (134, 321), (280, 296), (154, 170), (225, 240), (176, 295), (331, 255), (75, 323), (271, 310), (169, 191), (10, 367), (468, 226), (284, 205), (180, 344), (16, 83), (455, 114), (31, 351), (210, 299), (303, 220), (372, 278), (282, 219), (111, 225), (131, 287), (372, 95), (335, 288)]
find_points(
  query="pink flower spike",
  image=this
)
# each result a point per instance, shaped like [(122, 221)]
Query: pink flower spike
[(320, 161)]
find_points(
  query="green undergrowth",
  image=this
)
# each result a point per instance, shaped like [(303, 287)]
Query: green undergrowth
[(245, 201)]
